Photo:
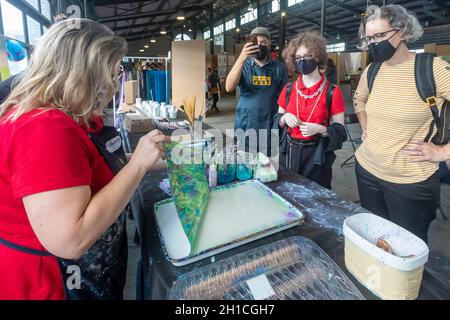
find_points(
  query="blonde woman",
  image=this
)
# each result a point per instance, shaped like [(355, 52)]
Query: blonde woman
[(63, 178), (392, 113)]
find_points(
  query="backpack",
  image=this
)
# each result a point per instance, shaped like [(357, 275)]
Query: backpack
[(426, 87)]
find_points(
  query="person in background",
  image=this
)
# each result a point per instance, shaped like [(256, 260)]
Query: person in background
[(214, 86), (64, 178), (314, 113), (331, 72), (6, 86), (260, 80), (391, 114)]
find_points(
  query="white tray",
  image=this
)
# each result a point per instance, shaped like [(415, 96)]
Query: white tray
[(236, 214)]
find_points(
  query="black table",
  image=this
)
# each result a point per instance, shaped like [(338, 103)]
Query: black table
[(325, 214)]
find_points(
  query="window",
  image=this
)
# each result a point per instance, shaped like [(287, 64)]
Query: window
[(336, 47), (249, 16), (230, 24), (34, 31), (275, 6), (45, 29), (12, 21), (294, 2), (218, 29), (34, 4), (182, 37), (45, 9), (218, 40), (207, 34)]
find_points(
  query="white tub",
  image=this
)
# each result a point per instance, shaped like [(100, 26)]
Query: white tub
[(389, 276)]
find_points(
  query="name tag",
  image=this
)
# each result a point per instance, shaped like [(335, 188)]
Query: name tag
[(262, 81), (114, 144)]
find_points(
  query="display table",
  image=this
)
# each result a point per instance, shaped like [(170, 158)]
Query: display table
[(325, 214)]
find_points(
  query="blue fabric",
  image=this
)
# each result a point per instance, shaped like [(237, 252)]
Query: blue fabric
[(158, 86)]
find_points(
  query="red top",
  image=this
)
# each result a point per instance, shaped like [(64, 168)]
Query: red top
[(307, 105), (41, 151)]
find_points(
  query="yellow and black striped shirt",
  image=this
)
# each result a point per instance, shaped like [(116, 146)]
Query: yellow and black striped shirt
[(395, 115)]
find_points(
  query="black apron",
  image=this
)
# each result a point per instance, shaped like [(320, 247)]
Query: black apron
[(102, 269)]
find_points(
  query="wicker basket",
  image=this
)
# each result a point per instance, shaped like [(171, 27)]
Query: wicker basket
[(136, 123)]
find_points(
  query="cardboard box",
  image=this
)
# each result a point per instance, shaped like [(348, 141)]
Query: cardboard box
[(437, 49), (128, 107), (131, 90)]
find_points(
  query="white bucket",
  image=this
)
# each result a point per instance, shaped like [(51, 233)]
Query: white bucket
[(396, 276)]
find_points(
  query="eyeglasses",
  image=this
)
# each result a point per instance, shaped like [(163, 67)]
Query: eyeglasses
[(378, 37), (119, 74), (305, 57)]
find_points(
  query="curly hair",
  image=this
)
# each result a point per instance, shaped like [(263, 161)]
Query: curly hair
[(313, 41), (398, 17)]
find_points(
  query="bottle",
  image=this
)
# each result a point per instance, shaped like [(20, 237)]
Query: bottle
[(212, 175)]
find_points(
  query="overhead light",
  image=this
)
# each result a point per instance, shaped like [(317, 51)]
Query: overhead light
[(283, 14), (163, 30), (190, 30), (180, 15), (146, 46), (142, 50), (238, 30), (153, 40)]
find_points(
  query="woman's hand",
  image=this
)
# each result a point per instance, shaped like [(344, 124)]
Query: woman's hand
[(291, 120), (419, 151), (364, 135), (311, 129), (149, 150)]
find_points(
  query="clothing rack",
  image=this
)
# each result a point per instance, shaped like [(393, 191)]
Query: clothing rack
[(158, 59)]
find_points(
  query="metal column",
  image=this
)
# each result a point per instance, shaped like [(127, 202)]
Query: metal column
[(323, 18), (283, 20)]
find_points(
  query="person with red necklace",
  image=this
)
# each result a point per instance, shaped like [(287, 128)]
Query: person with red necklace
[(311, 110)]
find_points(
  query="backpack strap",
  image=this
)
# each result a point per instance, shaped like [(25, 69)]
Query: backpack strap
[(288, 93), (330, 92), (426, 88), (372, 74)]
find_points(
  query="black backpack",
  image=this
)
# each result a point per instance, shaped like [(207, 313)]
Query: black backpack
[(426, 87)]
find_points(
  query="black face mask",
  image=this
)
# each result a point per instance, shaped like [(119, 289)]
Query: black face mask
[(306, 67), (263, 53), (382, 51)]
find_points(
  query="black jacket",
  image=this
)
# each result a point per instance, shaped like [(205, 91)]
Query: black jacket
[(337, 135), (7, 86)]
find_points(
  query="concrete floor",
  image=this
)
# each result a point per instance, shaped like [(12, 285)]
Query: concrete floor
[(344, 184)]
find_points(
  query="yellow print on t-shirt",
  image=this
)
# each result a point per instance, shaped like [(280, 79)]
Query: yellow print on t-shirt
[(262, 81)]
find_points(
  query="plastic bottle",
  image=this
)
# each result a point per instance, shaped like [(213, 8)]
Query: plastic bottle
[(212, 175)]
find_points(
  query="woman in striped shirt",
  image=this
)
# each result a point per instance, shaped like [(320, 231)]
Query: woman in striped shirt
[(390, 184)]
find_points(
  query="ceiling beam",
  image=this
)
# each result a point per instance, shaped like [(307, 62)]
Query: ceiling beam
[(344, 6), (98, 3), (160, 13)]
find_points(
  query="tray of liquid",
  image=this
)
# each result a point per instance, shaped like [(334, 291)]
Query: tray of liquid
[(236, 214)]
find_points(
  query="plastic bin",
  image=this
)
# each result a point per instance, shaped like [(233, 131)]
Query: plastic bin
[(395, 276), (291, 269)]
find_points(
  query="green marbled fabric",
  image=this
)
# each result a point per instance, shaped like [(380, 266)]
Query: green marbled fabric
[(189, 186)]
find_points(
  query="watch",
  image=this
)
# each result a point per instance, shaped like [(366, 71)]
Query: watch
[(325, 134)]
